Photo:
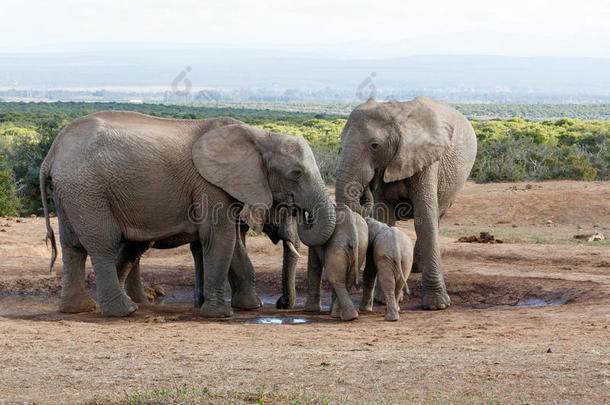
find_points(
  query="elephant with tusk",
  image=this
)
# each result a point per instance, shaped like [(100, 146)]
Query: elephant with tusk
[(127, 177), (403, 160)]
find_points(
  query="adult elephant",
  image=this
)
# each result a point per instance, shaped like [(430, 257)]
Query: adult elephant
[(279, 224), (122, 176), (404, 160)]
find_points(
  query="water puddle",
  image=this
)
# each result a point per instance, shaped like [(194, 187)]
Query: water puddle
[(528, 303), (278, 321), (539, 303)]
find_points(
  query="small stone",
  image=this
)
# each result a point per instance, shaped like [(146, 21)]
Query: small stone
[(452, 378), (596, 226), (33, 216), (514, 225), (2, 230), (529, 186), (549, 350), (19, 221), (579, 227), (549, 222)]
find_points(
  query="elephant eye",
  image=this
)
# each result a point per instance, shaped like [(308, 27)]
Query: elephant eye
[(295, 174), (374, 146)]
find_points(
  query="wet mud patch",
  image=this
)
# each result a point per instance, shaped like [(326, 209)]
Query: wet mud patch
[(488, 292)]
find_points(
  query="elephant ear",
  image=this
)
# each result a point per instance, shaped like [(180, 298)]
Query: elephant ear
[(423, 138), (229, 158)]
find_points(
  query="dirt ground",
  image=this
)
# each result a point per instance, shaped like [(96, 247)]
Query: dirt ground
[(528, 322)]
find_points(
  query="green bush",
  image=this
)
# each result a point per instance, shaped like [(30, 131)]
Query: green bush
[(9, 203), (512, 149), (24, 157)]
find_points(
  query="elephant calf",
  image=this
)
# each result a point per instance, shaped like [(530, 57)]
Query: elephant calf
[(389, 256), (341, 256)]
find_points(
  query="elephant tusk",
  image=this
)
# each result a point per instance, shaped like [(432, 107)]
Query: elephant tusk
[(292, 248)]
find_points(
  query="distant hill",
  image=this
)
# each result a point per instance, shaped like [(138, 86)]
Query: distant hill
[(248, 74)]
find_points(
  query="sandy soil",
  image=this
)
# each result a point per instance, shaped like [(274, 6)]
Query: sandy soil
[(528, 324)]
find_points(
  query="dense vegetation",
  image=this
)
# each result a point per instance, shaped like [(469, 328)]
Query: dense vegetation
[(508, 150)]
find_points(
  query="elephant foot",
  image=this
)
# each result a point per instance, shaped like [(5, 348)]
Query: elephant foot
[(391, 316), (246, 300), (284, 303), (73, 305), (349, 315), (313, 306), (221, 310), (435, 300), (121, 305), (366, 307)]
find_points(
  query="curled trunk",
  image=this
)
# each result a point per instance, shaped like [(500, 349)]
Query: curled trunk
[(320, 224)]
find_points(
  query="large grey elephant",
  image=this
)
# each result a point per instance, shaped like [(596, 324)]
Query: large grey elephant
[(404, 160), (122, 176), (279, 224)]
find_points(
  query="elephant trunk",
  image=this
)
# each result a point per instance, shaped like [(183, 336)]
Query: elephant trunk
[(320, 224), (352, 192)]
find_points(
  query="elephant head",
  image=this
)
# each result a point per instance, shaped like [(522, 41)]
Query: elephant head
[(387, 142), (261, 169)]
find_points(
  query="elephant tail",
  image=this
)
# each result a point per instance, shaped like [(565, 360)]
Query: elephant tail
[(44, 175)]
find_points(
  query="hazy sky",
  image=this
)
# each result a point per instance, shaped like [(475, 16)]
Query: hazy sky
[(516, 27)]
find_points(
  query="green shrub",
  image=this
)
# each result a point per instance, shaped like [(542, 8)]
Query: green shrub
[(9, 203), (512, 149), (24, 157)]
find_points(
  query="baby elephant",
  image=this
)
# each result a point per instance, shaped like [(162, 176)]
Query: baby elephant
[(389, 256), (341, 256)]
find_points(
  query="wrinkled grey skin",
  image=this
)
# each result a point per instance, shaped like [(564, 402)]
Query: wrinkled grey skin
[(280, 224), (342, 256), (404, 160), (122, 176), (389, 256)]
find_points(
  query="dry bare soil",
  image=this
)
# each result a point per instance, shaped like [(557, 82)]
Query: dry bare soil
[(528, 322)]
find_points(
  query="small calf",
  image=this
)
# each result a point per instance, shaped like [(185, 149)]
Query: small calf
[(390, 256)]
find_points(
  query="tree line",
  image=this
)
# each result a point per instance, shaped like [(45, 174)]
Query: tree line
[(513, 149)]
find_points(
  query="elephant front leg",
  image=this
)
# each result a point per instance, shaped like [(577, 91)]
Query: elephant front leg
[(128, 270), (368, 284), (242, 278), (289, 264), (217, 254), (134, 286), (314, 279), (197, 253), (434, 292)]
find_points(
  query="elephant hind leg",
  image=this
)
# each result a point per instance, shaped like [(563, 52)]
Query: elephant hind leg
[(337, 269), (73, 297), (390, 288), (103, 246)]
